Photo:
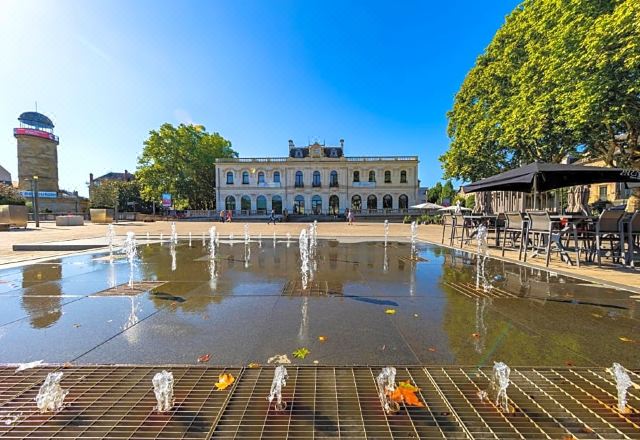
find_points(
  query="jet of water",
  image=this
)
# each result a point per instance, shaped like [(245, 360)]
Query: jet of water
[(280, 377), (246, 234), (386, 382), (161, 238), (304, 257), (623, 381), (111, 235), (174, 233), (499, 383), (51, 396), (189, 239), (174, 264), (260, 239), (483, 254), (212, 243), (414, 237), (288, 238), (163, 389), (147, 238), (231, 239), (131, 249), (386, 232), (203, 240)]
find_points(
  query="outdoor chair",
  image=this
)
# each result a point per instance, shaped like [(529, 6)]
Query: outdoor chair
[(607, 230), (447, 221), (542, 233), (461, 227), (514, 230), (633, 238)]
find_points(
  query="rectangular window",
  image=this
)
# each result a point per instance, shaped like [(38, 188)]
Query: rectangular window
[(229, 179), (603, 192), (276, 177)]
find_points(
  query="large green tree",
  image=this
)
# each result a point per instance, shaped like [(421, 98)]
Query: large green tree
[(181, 161), (560, 77)]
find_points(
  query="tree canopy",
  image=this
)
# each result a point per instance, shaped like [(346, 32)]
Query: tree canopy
[(181, 161), (559, 77)]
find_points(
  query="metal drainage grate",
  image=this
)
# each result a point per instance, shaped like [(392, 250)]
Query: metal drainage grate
[(314, 288), (113, 402), (124, 289), (322, 402), (469, 290)]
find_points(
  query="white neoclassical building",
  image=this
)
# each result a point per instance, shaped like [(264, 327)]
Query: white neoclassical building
[(317, 179)]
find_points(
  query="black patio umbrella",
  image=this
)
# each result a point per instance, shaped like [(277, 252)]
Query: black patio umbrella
[(538, 177)]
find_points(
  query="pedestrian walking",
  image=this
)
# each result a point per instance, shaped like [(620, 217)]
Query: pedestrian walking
[(272, 217), (222, 216)]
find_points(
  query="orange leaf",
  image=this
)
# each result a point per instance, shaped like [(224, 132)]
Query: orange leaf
[(322, 338), (432, 349), (224, 380), (204, 357), (475, 335), (405, 392)]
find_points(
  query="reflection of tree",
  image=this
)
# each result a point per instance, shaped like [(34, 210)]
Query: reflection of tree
[(41, 294)]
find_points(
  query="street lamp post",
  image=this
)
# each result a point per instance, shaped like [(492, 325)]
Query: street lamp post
[(34, 191)]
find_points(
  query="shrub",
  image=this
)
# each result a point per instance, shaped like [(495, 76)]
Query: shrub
[(10, 195)]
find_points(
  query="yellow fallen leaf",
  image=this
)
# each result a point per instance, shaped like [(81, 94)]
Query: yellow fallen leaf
[(224, 380), (390, 311), (623, 339), (253, 365), (322, 338), (301, 353)]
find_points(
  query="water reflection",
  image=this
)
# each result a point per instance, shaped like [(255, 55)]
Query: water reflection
[(41, 295)]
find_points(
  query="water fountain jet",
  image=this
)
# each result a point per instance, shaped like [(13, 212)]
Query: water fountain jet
[(163, 389), (623, 382), (386, 232), (304, 257), (174, 233), (51, 396), (499, 384), (131, 249), (386, 382), (111, 235), (280, 377)]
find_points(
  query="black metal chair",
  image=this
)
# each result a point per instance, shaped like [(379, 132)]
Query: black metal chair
[(608, 229), (514, 230), (633, 238), (542, 233), (460, 226)]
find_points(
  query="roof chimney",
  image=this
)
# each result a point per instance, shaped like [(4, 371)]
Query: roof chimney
[(90, 179), (341, 143), (291, 144), (126, 175)]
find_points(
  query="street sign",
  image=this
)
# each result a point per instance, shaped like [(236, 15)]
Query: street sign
[(166, 200), (41, 194)]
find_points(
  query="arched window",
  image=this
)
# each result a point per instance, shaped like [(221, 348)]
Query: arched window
[(372, 176), (298, 205), (276, 177), (261, 205), (387, 201), (229, 177), (245, 203), (356, 203), (333, 179), (260, 177), (372, 202), (245, 177), (276, 204), (334, 205), (230, 203), (316, 205), (387, 176), (403, 202), (316, 178), (356, 176), (403, 176), (299, 182)]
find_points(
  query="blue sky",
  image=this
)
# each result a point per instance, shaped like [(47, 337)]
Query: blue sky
[(381, 75)]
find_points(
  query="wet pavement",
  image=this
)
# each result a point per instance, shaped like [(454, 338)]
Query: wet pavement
[(249, 306)]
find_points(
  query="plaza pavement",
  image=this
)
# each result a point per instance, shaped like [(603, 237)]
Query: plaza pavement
[(614, 275)]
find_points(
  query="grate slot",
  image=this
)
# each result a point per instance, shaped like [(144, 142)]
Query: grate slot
[(314, 288), (124, 289)]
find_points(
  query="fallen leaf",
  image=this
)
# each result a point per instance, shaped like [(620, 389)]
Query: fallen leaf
[(623, 339), (415, 315), (316, 362), (405, 392), (67, 365), (475, 335), (204, 357), (301, 353), (224, 380), (253, 365), (390, 311), (432, 349), (597, 315), (568, 363), (322, 338)]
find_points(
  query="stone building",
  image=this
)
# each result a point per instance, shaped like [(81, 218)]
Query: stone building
[(38, 160), (315, 180), (5, 176)]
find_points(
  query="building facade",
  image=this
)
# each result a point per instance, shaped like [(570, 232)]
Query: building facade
[(315, 180)]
